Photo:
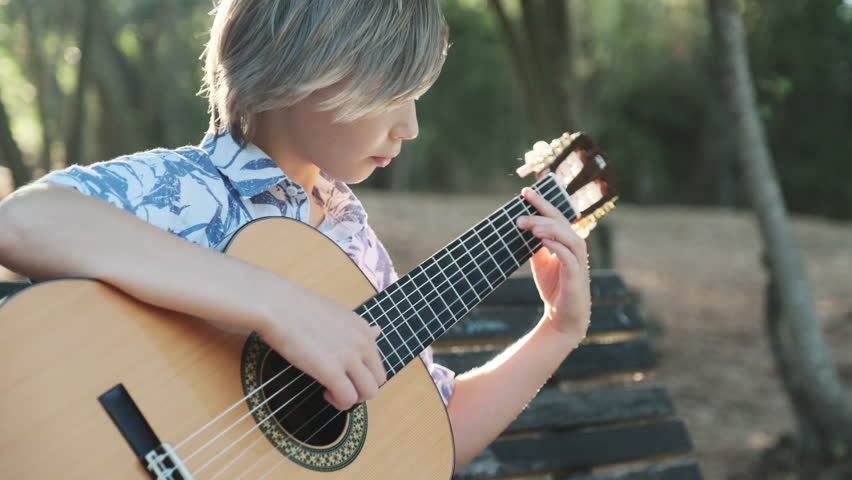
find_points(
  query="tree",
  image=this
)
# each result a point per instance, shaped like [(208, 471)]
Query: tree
[(820, 402), (77, 115), (10, 154), (541, 55)]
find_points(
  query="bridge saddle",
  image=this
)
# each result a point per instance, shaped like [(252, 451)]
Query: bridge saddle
[(164, 464)]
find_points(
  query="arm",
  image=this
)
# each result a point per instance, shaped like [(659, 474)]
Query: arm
[(486, 400), (49, 231)]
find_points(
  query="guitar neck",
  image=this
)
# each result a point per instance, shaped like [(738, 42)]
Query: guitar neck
[(419, 307)]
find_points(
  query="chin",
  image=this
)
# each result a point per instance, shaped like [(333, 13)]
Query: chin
[(351, 177)]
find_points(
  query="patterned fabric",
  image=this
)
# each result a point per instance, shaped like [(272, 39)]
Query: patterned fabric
[(205, 194)]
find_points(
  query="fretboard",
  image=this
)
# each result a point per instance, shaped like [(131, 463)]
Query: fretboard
[(419, 307)]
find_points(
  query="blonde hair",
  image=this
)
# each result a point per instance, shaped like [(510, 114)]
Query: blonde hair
[(266, 54)]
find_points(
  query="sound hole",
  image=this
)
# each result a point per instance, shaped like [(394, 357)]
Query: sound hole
[(297, 403)]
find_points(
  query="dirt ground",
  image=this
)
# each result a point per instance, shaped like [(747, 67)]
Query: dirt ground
[(699, 276)]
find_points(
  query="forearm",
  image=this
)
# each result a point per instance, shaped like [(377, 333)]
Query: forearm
[(487, 399), (51, 232)]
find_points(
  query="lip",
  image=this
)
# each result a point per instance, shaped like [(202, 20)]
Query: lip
[(382, 161)]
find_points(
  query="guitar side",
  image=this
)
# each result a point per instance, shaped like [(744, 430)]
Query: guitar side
[(66, 342)]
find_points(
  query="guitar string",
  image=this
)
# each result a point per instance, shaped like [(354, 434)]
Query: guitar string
[(242, 400), (261, 459), (410, 280), (325, 408), (473, 258), (394, 330), (502, 238)]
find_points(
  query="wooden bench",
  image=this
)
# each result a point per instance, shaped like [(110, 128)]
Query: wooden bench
[(597, 418)]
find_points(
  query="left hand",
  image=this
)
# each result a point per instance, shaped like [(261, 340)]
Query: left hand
[(560, 269)]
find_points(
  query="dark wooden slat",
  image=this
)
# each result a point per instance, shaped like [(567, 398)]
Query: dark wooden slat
[(575, 450), (508, 322), (657, 472), (554, 409), (586, 361), (605, 284)]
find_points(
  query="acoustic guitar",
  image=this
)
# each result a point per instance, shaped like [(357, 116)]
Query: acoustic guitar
[(97, 385)]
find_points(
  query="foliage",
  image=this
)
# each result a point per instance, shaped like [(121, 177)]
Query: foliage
[(643, 84)]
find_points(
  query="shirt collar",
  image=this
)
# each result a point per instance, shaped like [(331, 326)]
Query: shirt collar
[(252, 172), (249, 169)]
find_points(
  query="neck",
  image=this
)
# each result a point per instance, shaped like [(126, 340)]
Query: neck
[(269, 139), (299, 171)]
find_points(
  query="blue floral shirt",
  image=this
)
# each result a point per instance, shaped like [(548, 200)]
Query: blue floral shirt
[(205, 194)]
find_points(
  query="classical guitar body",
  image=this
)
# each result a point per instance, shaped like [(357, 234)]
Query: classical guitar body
[(65, 343)]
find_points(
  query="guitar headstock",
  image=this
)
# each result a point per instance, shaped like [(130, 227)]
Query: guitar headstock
[(582, 168)]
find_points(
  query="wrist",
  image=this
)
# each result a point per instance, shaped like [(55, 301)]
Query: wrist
[(569, 336), (266, 304)]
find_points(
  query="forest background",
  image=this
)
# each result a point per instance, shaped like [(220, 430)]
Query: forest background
[(641, 78), (90, 80)]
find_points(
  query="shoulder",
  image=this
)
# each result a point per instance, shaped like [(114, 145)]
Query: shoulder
[(131, 177), (180, 191)]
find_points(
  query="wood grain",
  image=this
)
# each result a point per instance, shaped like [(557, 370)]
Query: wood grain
[(65, 342)]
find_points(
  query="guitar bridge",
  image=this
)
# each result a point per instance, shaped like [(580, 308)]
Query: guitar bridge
[(164, 464), (157, 457)]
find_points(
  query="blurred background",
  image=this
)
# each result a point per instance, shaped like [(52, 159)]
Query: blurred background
[(89, 80)]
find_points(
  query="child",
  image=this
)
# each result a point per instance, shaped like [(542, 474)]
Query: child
[(304, 97)]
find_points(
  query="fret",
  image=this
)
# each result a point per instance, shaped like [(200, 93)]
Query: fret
[(382, 342), (390, 333), (445, 295), (433, 317), (464, 264), (402, 299), (487, 286), (520, 233), (502, 240), (493, 272), (425, 303), (389, 309), (385, 345), (447, 263), (468, 297)]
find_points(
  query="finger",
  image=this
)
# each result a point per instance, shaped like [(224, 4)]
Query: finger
[(375, 331), (566, 257), (377, 368), (562, 234), (528, 222), (364, 381), (541, 204), (341, 392)]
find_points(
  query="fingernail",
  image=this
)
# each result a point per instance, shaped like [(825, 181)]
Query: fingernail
[(522, 221)]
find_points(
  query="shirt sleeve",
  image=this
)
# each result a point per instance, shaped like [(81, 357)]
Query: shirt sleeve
[(151, 185)]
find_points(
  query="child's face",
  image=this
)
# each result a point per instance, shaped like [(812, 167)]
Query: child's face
[(347, 151)]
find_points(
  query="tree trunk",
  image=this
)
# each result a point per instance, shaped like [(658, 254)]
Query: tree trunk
[(821, 403), (37, 73), (118, 85), (77, 117), (10, 154), (543, 60), (518, 52)]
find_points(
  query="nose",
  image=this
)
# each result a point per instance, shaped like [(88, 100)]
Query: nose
[(405, 125)]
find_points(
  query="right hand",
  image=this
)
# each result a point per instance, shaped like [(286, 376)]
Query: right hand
[(331, 344)]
